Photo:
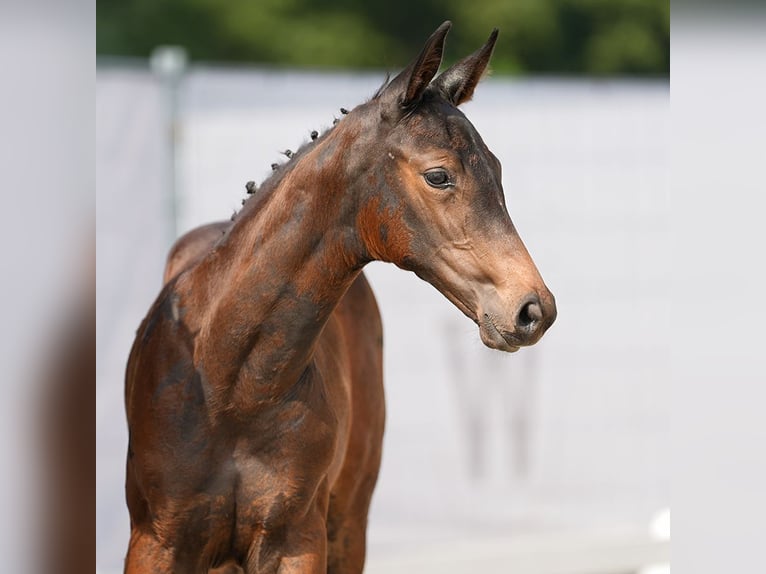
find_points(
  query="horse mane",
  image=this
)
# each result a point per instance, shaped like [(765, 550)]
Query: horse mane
[(258, 193), (280, 171), (382, 88)]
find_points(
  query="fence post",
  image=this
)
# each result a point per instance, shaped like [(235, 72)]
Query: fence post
[(169, 64)]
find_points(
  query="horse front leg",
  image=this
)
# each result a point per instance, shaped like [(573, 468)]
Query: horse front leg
[(300, 547), (146, 555)]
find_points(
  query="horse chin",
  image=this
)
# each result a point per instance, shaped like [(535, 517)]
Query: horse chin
[(493, 338)]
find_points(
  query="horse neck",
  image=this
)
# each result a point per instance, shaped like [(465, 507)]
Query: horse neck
[(270, 287)]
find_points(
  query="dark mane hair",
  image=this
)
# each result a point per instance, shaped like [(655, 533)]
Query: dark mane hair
[(258, 193), (383, 87)]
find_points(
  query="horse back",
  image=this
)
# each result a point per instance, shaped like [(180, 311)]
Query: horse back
[(191, 247), (358, 318)]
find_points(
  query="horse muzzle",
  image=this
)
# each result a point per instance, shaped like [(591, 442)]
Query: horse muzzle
[(529, 322)]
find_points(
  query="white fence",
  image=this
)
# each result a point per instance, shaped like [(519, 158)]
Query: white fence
[(513, 460)]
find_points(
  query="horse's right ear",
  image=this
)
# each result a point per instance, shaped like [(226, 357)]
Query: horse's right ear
[(458, 82), (409, 85)]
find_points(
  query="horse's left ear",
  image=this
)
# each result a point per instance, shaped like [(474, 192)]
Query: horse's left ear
[(458, 82)]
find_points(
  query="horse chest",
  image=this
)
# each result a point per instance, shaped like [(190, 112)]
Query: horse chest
[(302, 431), (282, 456)]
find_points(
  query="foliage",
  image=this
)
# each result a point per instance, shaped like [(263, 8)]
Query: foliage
[(597, 37)]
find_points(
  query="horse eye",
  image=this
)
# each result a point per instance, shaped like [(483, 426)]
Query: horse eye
[(437, 178)]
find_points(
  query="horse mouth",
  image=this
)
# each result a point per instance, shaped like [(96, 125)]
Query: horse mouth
[(491, 335), (495, 338)]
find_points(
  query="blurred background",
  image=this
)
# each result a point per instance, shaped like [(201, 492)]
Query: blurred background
[(594, 37), (551, 460)]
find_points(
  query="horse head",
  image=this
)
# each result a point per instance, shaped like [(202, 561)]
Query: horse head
[(434, 201)]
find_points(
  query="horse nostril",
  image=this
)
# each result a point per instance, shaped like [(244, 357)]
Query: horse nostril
[(530, 315)]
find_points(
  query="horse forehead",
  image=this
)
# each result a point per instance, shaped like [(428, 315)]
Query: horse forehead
[(463, 135), (444, 125)]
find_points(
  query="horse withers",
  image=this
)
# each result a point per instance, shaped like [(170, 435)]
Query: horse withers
[(254, 389)]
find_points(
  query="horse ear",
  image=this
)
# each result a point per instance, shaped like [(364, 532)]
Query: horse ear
[(458, 82), (410, 84)]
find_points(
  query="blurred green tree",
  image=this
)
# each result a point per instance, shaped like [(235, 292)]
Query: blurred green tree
[(595, 37)]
